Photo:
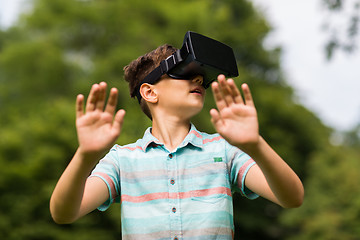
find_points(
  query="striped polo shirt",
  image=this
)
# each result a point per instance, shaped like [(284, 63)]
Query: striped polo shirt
[(181, 194)]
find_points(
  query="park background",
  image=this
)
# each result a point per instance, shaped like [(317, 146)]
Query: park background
[(59, 48)]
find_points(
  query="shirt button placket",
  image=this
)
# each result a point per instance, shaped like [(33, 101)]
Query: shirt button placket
[(175, 221)]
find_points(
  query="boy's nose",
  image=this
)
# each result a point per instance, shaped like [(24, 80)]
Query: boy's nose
[(198, 79)]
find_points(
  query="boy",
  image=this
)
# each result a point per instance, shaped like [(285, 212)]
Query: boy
[(175, 182)]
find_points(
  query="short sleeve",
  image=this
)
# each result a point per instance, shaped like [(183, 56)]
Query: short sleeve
[(240, 163), (109, 171)]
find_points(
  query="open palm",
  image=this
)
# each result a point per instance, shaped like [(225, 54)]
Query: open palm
[(97, 128), (235, 119)]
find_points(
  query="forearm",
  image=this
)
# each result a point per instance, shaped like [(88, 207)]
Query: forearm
[(283, 182), (67, 196)]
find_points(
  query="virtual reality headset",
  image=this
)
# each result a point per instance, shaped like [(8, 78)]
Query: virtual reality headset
[(199, 55)]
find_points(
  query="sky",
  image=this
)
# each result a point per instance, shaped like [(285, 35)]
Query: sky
[(328, 88)]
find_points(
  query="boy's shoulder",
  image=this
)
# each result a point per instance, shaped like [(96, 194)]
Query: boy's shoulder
[(137, 145), (128, 147), (207, 137)]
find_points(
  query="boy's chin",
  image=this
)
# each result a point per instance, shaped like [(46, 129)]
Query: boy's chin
[(193, 110)]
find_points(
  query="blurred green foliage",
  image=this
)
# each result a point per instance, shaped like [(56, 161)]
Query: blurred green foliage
[(342, 35), (61, 47), (332, 208)]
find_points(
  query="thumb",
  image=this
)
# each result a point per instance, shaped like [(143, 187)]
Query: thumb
[(118, 121), (215, 117)]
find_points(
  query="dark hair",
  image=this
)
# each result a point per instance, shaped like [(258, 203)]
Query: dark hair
[(138, 69)]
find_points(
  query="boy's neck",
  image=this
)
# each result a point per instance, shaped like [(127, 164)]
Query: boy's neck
[(171, 131)]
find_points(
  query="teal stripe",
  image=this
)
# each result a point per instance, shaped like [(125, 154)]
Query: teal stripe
[(220, 219), (141, 225)]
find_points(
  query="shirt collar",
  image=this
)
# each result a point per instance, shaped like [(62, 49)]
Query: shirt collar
[(148, 139), (194, 137)]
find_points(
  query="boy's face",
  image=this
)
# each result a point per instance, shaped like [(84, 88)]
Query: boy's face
[(185, 97)]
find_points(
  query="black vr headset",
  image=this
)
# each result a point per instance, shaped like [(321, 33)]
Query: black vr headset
[(199, 55)]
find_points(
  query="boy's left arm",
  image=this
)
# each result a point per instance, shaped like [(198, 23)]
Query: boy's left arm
[(236, 120)]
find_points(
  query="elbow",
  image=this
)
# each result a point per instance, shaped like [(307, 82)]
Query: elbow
[(59, 217), (293, 204), (62, 221), (296, 201), (299, 201)]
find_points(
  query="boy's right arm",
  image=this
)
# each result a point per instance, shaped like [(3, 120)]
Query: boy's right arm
[(75, 194)]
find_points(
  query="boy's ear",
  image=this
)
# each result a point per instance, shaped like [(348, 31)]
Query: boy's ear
[(148, 93)]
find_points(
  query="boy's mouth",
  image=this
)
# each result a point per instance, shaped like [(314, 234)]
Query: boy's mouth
[(197, 90)]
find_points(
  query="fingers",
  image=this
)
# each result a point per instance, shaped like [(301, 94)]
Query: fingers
[(112, 101), (226, 92), (219, 100), (215, 116), (96, 100), (101, 96), (118, 120), (79, 105), (235, 93), (92, 98), (247, 95)]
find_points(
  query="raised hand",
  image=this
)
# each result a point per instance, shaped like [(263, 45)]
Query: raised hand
[(97, 128), (235, 119)]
